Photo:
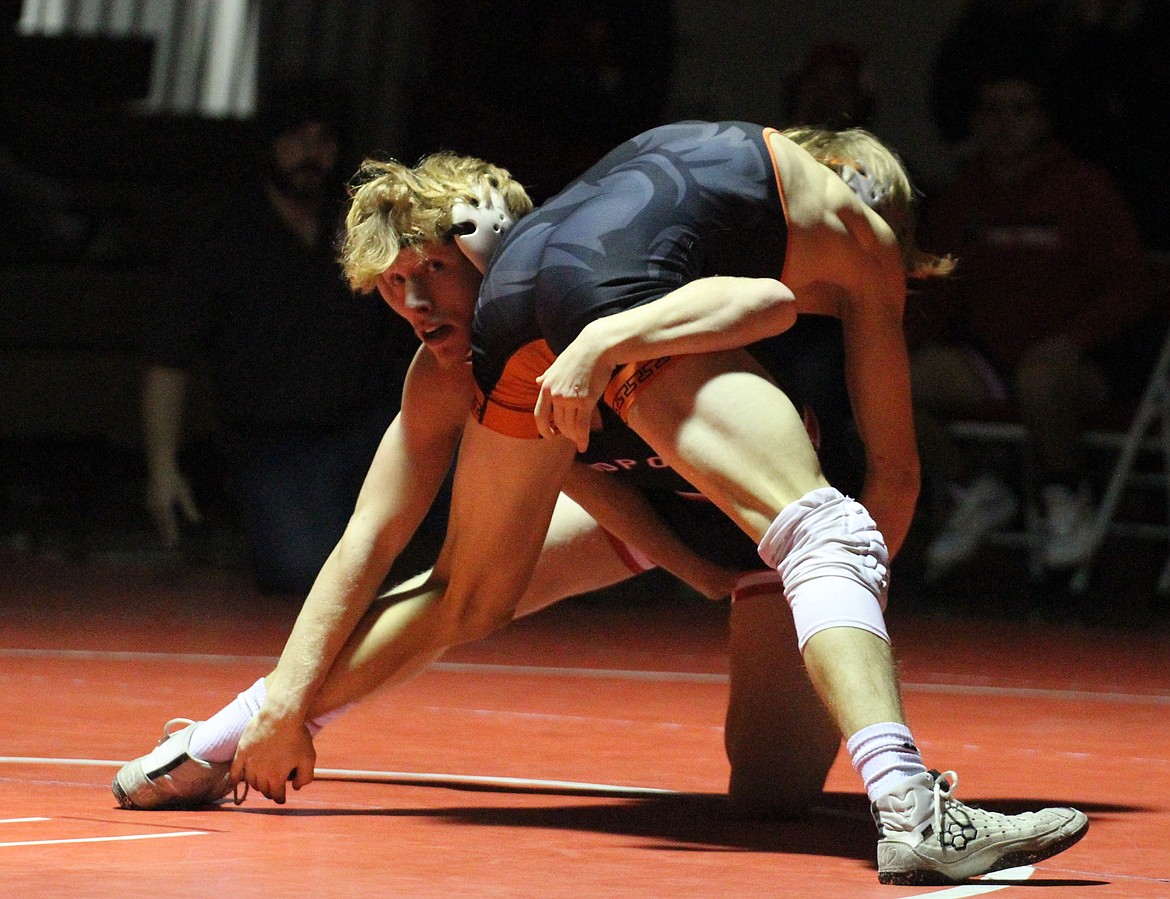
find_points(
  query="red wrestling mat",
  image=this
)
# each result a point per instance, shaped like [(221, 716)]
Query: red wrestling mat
[(577, 754)]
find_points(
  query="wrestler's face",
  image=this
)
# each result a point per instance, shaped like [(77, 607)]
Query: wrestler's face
[(435, 291)]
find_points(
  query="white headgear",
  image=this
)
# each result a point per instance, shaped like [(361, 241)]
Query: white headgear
[(479, 229), (864, 186)]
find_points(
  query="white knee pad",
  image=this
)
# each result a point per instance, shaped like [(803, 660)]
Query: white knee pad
[(833, 561)]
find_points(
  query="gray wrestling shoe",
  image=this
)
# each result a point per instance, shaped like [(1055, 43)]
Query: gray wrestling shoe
[(170, 778), (927, 837)]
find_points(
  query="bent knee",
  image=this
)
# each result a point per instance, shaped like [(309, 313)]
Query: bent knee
[(467, 619), (833, 562)]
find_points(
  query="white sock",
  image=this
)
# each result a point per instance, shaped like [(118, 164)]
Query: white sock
[(215, 739), (884, 755)]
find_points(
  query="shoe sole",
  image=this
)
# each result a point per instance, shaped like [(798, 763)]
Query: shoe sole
[(930, 877), (120, 795)]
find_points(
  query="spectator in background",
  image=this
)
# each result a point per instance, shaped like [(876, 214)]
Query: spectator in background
[(307, 375), (831, 89), (1051, 270), (1102, 67), (988, 36)]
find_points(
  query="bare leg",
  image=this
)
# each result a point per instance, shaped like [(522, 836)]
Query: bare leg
[(364, 664), (725, 427), (780, 742), (736, 442), (780, 739), (577, 557)]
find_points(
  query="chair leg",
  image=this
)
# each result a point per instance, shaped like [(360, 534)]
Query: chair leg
[(1154, 405), (1164, 579), (1033, 518)]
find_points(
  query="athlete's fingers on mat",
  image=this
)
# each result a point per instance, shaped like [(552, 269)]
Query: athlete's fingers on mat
[(302, 776)]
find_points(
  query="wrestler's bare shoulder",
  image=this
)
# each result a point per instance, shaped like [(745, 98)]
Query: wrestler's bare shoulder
[(835, 240), (810, 193)]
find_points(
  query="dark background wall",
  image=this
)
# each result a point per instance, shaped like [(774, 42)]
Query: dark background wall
[(732, 59), (543, 87)]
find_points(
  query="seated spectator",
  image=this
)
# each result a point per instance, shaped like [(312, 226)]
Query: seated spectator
[(987, 36), (1050, 270), (306, 374)]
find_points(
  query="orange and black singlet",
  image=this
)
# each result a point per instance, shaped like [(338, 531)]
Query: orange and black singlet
[(676, 203)]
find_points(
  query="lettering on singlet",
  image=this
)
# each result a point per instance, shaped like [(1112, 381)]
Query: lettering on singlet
[(628, 464)]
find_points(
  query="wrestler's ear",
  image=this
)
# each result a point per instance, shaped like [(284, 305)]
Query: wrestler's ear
[(479, 226)]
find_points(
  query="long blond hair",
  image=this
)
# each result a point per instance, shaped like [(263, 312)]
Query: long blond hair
[(393, 206), (858, 149)]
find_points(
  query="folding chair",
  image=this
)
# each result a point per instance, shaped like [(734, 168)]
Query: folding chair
[(1147, 437), (1013, 436), (1152, 415)]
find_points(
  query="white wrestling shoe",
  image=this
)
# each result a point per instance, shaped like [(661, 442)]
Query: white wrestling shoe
[(170, 778), (927, 837), (979, 510), (1068, 526)]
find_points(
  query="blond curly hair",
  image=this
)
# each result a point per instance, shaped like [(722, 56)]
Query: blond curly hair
[(393, 206), (860, 150)]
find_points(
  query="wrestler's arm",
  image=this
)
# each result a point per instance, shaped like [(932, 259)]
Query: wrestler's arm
[(504, 492), (403, 480), (877, 374), (702, 316), (625, 513)]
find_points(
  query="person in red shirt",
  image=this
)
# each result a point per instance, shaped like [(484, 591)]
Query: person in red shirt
[(1051, 269)]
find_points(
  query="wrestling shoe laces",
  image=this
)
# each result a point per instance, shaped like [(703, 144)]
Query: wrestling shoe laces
[(951, 841), (173, 726), (237, 797)]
